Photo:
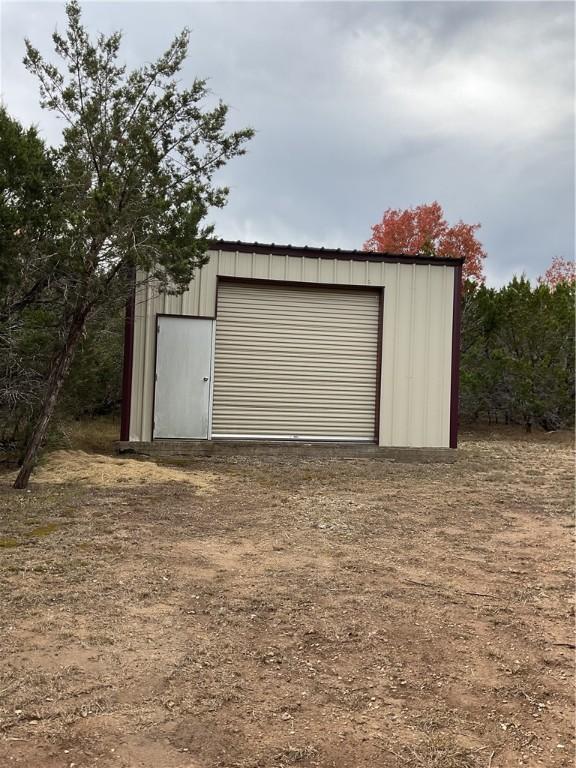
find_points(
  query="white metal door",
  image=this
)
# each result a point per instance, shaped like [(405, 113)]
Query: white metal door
[(183, 377)]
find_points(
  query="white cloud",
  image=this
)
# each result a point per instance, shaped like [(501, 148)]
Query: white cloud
[(509, 84)]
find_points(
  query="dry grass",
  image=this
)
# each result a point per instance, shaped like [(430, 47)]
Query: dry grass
[(440, 751), (65, 467), (96, 435), (303, 612)]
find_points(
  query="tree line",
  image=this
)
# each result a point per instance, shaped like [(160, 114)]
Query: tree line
[(517, 353)]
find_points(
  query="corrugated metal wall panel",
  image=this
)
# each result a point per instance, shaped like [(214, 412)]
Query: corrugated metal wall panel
[(416, 382), (295, 361)]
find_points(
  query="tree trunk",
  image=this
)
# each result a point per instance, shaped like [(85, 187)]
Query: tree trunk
[(56, 379)]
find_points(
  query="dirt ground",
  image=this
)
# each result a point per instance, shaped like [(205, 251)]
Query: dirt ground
[(333, 613)]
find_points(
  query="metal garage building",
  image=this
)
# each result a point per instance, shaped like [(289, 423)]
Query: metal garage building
[(302, 344)]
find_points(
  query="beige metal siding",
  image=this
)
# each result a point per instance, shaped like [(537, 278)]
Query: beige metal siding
[(416, 335), (295, 362)]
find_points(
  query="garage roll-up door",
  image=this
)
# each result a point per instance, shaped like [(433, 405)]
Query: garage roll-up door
[(295, 362)]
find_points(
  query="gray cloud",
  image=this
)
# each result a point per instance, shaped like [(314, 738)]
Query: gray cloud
[(362, 106)]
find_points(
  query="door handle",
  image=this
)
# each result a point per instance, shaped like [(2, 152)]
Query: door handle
[(206, 378)]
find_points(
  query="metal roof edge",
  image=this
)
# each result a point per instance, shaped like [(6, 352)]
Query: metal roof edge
[(331, 253)]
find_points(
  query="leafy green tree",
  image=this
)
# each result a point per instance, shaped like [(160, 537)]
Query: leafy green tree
[(93, 385), (480, 373), (29, 219), (137, 162), (536, 348), (518, 353), (28, 265)]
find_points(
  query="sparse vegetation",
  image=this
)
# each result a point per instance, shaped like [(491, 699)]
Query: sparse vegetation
[(299, 612)]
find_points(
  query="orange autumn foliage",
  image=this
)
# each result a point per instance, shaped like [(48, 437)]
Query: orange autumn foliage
[(424, 229), (560, 271)]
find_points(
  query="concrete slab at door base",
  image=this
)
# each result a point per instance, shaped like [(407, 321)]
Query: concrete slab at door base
[(284, 449)]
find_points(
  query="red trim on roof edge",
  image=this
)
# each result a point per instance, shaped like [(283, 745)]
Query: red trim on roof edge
[(330, 253), (127, 364), (455, 382)]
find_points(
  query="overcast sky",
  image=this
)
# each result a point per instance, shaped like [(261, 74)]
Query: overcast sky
[(363, 106)]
